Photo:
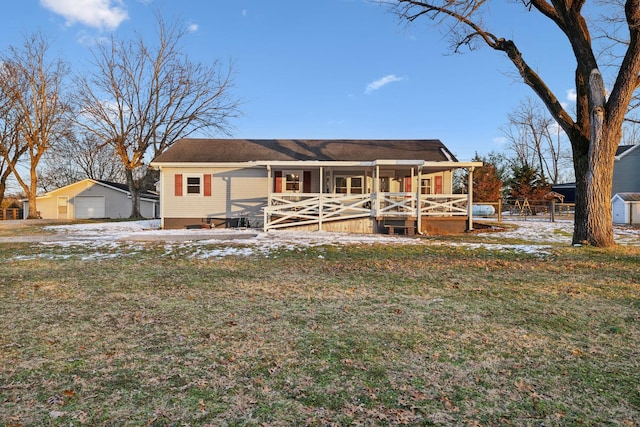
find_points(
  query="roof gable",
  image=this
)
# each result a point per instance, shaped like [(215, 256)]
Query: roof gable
[(123, 188), (624, 150), (628, 197), (190, 150)]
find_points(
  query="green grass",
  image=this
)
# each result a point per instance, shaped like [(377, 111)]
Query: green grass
[(374, 335)]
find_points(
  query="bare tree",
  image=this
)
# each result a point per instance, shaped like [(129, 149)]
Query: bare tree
[(32, 90), (535, 140), (12, 147), (596, 129), (142, 97), (76, 158)]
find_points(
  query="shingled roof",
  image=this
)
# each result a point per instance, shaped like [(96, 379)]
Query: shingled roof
[(247, 150)]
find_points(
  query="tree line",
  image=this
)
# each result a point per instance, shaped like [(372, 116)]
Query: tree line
[(137, 98)]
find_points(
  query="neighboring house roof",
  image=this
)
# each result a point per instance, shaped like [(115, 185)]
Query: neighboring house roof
[(252, 150), (628, 197), (123, 188), (624, 150)]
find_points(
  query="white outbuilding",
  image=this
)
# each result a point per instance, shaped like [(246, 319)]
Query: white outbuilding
[(626, 208)]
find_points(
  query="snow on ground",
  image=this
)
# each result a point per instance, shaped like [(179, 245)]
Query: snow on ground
[(104, 240)]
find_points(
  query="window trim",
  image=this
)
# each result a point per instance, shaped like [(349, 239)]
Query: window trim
[(348, 179), (187, 185), (299, 182)]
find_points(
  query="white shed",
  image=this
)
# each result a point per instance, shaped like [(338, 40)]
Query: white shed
[(626, 208)]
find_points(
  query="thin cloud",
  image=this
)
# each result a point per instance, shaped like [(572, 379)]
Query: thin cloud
[(375, 85), (193, 28), (571, 95), (101, 14)]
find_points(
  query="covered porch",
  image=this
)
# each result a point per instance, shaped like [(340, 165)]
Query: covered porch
[(390, 195)]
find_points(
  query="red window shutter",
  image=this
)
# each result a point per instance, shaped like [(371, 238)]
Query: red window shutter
[(207, 184), (438, 189), (178, 184), (407, 184), (278, 181), (306, 182)]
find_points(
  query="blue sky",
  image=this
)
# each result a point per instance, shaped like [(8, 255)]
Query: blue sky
[(328, 68)]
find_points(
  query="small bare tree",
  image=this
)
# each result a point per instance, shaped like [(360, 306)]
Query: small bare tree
[(32, 92), (12, 147), (141, 97), (535, 140)]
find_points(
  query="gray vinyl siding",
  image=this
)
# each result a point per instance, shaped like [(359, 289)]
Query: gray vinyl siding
[(626, 173)]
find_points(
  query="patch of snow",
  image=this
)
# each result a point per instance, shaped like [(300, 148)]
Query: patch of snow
[(111, 239)]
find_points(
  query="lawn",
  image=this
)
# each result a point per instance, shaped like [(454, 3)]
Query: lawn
[(361, 334)]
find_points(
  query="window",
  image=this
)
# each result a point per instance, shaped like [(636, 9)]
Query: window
[(341, 185), (193, 185), (292, 181), (425, 186), (349, 184), (356, 185)]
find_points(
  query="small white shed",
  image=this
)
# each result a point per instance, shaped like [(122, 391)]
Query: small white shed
[(626, 208)]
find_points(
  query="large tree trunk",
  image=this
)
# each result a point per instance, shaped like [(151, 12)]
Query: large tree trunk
[(135, 191), (32, 194), (594, 174)]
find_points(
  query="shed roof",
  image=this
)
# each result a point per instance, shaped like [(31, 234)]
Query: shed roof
[(123, 188), (190, 150), (628, 197)]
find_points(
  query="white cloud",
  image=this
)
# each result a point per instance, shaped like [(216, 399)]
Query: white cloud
[(193, 28), (381, 82), (101, 14), (500, 140), (571, 95)]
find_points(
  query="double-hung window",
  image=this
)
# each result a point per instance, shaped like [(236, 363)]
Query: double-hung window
[(349, 184), (194, 185), (292, 181), (425, 186)]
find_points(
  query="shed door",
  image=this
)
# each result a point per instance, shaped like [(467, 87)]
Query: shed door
[(89, 207), (63, 207)]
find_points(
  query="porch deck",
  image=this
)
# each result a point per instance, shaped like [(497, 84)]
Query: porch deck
[(293, 210)]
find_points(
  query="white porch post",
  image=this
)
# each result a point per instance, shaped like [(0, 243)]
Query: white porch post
[(413, 176), (470, 200), (320, 199), (419, 201), (269, 187), (376, 184)]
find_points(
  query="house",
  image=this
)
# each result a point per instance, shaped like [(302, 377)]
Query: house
[(626, 208), (335, 185), (92, 198), (626, 170)]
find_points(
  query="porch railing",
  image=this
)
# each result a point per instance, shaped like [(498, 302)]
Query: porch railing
[(444, 205), (286, 210)]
